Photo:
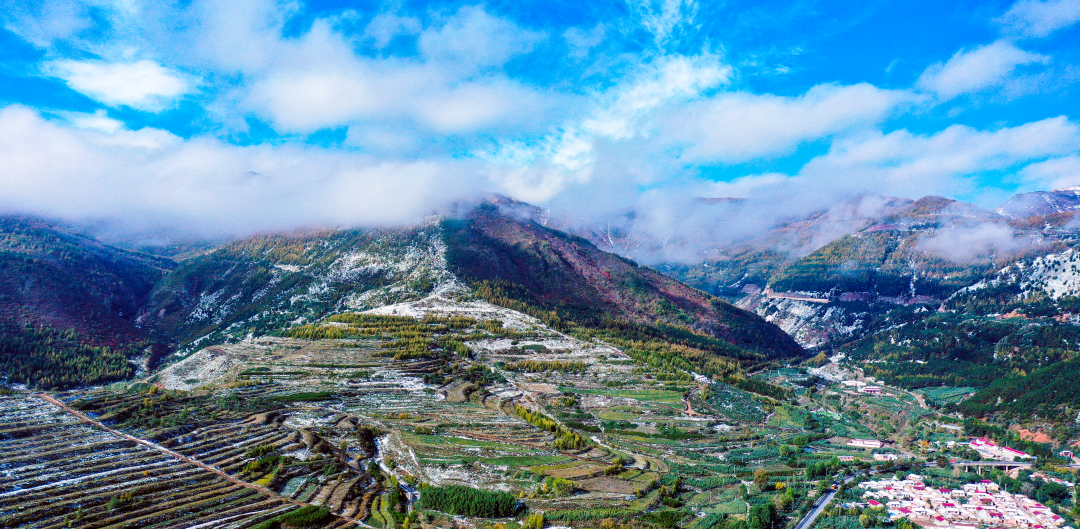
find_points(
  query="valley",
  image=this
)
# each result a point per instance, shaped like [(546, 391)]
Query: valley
[(359, 419), (488, 371)]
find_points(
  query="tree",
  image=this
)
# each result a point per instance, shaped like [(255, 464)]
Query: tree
[(761, 478), (762, 516)]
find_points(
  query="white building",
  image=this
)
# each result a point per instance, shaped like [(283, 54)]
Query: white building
[(865, 443)]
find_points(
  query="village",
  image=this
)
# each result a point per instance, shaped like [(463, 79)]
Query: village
[(973, 505)]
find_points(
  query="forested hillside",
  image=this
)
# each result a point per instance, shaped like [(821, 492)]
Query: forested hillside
[(68, 304), (264, 284), (567, 281)]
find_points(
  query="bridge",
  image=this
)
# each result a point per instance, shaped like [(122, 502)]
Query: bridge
[(1000, 465)]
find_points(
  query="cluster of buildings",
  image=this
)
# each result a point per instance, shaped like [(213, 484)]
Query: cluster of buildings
[(975, 505), (1051, 479)]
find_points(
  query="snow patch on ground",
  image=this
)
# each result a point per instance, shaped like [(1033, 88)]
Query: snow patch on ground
[(1056, 274), (811, 324), (309, 419), (442, 306), (200, 368)]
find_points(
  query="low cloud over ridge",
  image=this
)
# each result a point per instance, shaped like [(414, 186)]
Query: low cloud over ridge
[(343, 117)]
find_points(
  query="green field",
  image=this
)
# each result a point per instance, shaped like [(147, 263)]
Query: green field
[(947, 394)]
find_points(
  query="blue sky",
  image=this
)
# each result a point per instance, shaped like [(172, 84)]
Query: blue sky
[(231, 117)]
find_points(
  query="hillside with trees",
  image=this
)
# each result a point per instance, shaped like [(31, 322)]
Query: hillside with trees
[(68, 305)]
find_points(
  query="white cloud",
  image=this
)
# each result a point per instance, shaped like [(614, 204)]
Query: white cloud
[(747, 186), (671, 80), (541, 169), (735, 127), (965, 242), (143, 84), (906, 164), (150, 178), (47, 21), (969, 71), (233, 36), (663, 18), (1055, 173), (1032, 18), (581, 41), (472, 38), (948, 163), (317, 81), (386, 26), (98, 121), (658, 113)]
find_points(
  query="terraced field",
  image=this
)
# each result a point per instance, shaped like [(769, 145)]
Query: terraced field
[(59, 469)]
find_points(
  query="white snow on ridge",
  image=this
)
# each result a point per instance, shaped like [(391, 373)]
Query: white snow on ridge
[(1057, 274), (440, 306)]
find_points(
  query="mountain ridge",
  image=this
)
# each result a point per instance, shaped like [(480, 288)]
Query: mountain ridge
[(265, 284)]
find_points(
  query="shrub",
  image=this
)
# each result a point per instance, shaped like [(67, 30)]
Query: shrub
[(534, 521)]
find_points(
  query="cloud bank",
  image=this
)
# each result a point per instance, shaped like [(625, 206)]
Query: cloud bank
[(158, 181), (305, 115)]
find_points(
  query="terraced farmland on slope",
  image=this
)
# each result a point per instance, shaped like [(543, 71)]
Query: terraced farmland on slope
[(360, 414), (59, 469)]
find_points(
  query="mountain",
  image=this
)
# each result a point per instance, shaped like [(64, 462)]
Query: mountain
[(585, 286), (263, 284), (923, 293), (1041, 203), (920, 293), (815, 274), (62, 290), (78, 311)]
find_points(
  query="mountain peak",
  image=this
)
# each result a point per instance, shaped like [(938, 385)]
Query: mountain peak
[(1041, 203)]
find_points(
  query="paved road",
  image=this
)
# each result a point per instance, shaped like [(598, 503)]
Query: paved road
[(177, 455), (810, 517), (819, 507)]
